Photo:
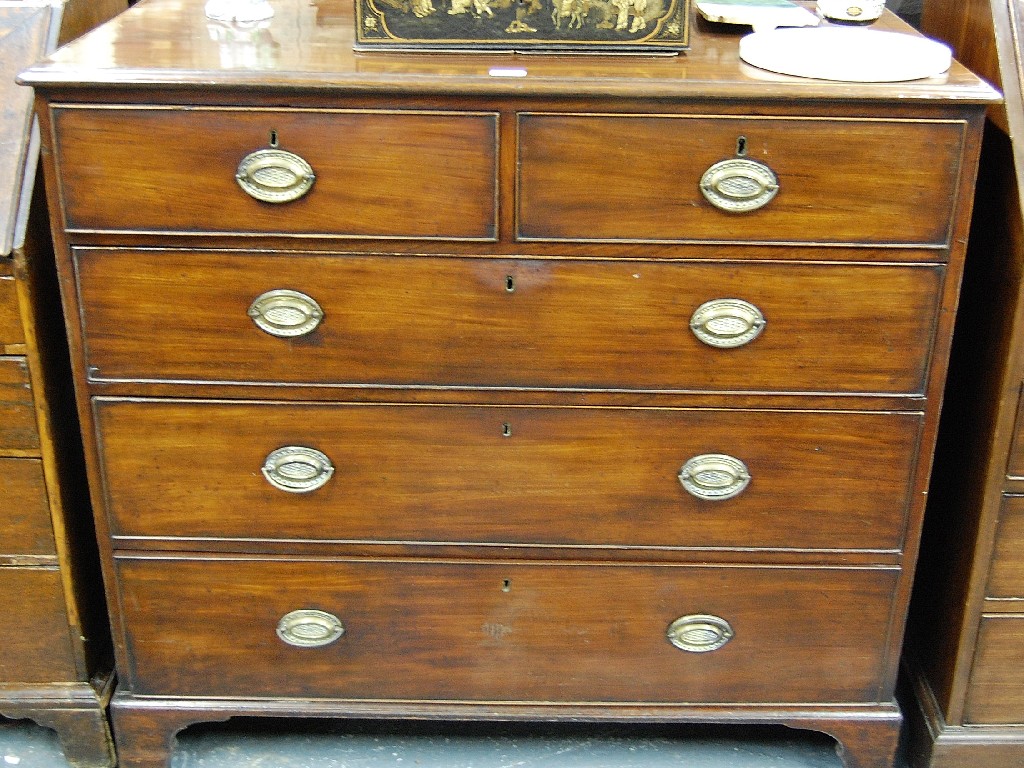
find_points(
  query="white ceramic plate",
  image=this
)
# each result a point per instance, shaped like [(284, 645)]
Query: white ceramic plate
[(850, 54)]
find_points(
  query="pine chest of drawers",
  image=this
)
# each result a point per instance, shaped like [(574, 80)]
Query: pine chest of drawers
[(486, 388)]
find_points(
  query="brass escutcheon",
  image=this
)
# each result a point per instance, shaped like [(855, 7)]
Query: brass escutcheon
[(274, 176), (739, 185), (699, 633), (297, 469), (309, 628)]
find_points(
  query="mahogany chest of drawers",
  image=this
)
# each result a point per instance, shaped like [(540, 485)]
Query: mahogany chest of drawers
[(483, 388), (966, 637), (55, 665)]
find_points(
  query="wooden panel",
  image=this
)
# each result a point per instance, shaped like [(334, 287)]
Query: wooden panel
[(18, 430), (34, 633), (996, 691), (25, 527), (436, 321), (561, 476), (378, 174), (504, 631), (11, 331), (609, 177)]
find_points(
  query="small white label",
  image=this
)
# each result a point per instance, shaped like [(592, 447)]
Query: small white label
[(506, 72), (12, 759)]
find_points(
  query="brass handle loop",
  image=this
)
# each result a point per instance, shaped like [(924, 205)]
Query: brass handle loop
[(297, 469), (274, 176), (714, 476), (727, 323), (699, 633), (309, 628), (739, 185), (285, 314)]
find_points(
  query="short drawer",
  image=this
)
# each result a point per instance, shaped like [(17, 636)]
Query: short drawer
[(414, 321), (1006, 576), (25, 526), (410, 174), (639, 178), (995, 694), (11, 331), (18, 430), (605, 477), (35, 635), (503, 631)]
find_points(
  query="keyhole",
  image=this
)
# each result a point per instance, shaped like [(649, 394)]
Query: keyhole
[(510, 283), (273, 139), (506, 585), (741, 146), (506, 430)]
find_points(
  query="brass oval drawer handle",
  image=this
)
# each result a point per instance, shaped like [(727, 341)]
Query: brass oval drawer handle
[(714, 476), (739, 185), (309, 628), (727, 323), (285, 314), (297, 469), (274, 176), (699, 633)]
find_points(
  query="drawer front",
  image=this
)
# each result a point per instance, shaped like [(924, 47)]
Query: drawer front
[(567, 476), (25, 526), (502, 631), (377, 174), (1006, 577), (507, 323), (11, 331), (1015, 461), (34, 633), (996, 691), (638, 178), (18, 430)]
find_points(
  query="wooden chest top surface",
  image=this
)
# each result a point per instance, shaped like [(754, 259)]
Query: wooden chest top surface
[(310, 46)]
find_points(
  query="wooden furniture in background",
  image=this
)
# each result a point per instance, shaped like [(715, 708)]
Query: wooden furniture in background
[(966, 638), (55, 661), (490, 412)]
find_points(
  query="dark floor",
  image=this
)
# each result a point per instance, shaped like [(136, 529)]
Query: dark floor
[(332, 744)]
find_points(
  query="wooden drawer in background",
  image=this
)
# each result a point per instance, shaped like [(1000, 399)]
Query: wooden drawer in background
[(35, 631), (1006, 577), (996, 691), (637, 177), (566, 476), (25, 525), (11, 331), (18, 430), (481, 322), (502, 631), (378, 174)]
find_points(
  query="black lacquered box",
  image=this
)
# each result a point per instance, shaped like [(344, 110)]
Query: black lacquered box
[(513, 25)]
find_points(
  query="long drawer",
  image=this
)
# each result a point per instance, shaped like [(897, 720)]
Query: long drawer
[(25, 526), (481, 322), (639, 178), (502, 631), (550, 476), (377, 173), (34, 634)]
